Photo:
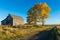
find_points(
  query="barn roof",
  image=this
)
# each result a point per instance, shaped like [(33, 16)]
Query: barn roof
[(16, 17)]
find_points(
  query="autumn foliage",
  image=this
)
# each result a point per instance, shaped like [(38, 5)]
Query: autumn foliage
[(38, 13)]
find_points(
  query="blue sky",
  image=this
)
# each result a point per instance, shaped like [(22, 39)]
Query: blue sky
[(20, 8)]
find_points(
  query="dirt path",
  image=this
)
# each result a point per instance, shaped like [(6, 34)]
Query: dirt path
[(44, 35)]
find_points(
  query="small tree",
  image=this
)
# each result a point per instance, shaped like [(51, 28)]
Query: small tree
[(32, 19), (29, 19)]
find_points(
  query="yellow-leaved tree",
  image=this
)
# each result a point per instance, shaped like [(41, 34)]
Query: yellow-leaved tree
[(38, 13), (43, 12)]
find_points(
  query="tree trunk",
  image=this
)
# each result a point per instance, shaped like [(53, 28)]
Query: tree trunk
[(35, 22), (42, 21)]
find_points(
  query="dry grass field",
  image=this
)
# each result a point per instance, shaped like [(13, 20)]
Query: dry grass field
[(12, 33)]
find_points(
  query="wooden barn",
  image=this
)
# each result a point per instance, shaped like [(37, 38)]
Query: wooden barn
[(12, 20)]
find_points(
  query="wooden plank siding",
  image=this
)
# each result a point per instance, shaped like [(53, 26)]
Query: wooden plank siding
[(12, 20)]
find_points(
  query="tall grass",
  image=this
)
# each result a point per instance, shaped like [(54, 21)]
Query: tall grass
[(12, 33)]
